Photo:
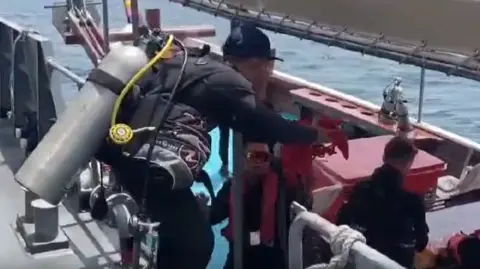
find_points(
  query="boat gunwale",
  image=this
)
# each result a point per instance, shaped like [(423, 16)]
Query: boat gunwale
[(302, 83)]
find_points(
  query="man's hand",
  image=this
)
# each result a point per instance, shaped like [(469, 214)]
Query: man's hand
[(333, 131), (224, 172), (322, 137), (203, 200)]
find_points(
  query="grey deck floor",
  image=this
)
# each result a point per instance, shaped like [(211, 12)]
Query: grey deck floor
[(91, 248)]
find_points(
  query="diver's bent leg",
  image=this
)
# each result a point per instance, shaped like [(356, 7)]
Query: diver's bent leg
[(189, 239), (223, 144), (229, 260), (185, 235)]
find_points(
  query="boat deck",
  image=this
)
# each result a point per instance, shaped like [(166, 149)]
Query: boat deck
[(93, 247)]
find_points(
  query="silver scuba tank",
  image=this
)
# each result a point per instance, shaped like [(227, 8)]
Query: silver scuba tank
[(79, 131)]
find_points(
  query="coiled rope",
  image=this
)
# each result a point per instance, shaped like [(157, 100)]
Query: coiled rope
[(341, 243)]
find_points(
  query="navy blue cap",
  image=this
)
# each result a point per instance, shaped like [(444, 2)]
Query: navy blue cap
[(247, 41)]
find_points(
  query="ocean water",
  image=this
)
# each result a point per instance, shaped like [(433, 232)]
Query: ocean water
[(449, 102)]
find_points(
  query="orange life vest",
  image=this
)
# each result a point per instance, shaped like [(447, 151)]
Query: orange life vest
[(268, 218), (296, 165), (452, 246), (455, 241), (297, 171)]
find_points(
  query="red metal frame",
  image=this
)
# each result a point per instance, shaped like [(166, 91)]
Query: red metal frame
[(87, 33), (84, 28)]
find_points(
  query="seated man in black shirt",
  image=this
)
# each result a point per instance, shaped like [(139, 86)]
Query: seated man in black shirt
[(392, 219)]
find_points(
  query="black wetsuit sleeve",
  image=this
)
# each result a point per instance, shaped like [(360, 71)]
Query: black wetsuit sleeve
[(420, 225), (220, 208), (111, 155), (263, 125), (236, 106), (355, 203)]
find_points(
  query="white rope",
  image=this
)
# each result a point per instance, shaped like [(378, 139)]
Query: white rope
[(341, 244)]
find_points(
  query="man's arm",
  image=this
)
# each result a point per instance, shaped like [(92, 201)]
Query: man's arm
[(220, 208), (236, 105), (420, 225)]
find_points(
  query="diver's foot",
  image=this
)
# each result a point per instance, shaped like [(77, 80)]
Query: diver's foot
[(224, 171)]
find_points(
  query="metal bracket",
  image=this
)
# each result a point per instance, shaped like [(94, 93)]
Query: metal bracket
[(56, 5), (307, 30), (279, 25), (337, 35), (474, 56), (259, 14), (218, 8), (414, 51), (377, 39)]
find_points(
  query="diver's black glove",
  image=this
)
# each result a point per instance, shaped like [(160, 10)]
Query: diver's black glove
[(109, 153), (99, 208)]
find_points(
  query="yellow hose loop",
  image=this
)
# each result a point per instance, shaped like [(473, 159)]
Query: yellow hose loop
[(114, 127)]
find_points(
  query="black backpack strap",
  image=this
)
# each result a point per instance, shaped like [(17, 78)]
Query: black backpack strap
[(204, 178)]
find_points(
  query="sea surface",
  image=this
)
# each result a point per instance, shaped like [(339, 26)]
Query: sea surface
[(450, 102)]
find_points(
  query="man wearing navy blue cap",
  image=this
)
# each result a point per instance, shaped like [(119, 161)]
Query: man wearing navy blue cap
[(249, 51)]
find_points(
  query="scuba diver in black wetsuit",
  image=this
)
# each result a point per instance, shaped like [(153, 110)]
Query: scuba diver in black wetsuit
[(210, 93), (392, 219)]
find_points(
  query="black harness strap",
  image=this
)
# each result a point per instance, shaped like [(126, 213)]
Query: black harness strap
[(106, 80), (204, 178)]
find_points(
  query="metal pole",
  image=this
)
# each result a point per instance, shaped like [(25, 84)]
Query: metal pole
[(282, 230), (420, 98), (69, 74), (237, 192), (135, 22), (106, 27)]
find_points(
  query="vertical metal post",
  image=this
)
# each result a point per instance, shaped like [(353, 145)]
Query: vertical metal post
[(46, 221), (237, 192), (135, 22), (420, 98), (282, 210), (106, 30), (29, 198)]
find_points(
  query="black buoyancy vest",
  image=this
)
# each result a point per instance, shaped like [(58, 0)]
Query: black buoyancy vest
[(160, 85), (186, 130)]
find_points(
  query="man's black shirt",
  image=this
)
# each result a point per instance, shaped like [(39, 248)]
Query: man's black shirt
[(387, 215)]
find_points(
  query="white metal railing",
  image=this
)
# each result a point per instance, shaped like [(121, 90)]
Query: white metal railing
[(362, 256)]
